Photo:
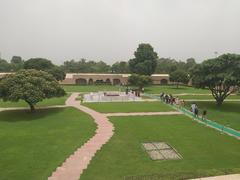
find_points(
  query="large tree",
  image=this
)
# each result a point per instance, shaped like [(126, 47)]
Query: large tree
[(4, 66), (17, 63), (139, 80), (45, 65), (32, 86), (145, 60), (38, 64), (120, 67), (179, 76), (84, 66), (221, 75), (57, 72)]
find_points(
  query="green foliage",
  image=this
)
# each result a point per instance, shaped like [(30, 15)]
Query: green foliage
[(4, 66), (57, 72), (179, 76), (45, 65), (38, 64), (168, 65), (32, 86), (145, 60), (120, 67), (84, 66), (16, 63), (139, 80), (220, 75)]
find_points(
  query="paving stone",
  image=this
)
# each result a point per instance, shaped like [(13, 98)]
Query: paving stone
[(155, 155), (149, 146), (161, 145), (169, 154)]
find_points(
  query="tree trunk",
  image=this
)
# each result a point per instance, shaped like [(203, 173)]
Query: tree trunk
[(32, 108), (219, 101), (177, 85)]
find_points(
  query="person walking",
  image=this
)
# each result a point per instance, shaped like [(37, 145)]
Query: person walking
[(204, 114), (193, 106), (196, 111)]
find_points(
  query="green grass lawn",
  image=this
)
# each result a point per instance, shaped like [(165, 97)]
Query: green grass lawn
[(90, 88), (154, 89), (157, 89), (46, 102), (228, 114), (204, 150), (112, 107), (34, 145), (206, 97)]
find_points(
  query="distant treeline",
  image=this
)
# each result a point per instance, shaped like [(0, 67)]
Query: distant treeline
[(164, 65)]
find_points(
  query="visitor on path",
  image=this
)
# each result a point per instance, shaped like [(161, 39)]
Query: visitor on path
[(204, 114), (161, 95), (193, 106), (177, 101), (196, 111)]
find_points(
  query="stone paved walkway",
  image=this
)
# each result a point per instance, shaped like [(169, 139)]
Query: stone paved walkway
[(73, 167), (143, 113)]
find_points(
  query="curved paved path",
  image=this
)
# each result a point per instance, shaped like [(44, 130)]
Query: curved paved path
[(73, 167)]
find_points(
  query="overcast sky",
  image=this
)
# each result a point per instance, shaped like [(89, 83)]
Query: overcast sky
[(110, 30)]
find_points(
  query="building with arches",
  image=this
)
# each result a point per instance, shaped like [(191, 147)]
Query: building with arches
[(113, 79)]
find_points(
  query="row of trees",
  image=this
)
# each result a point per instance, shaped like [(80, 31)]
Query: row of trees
[(17, 64), (162, 65), (220, 75)]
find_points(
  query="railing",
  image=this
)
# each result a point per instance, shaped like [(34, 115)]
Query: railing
[(217, 126)]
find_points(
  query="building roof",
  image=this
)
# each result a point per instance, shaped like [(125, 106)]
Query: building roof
[(70, 75)]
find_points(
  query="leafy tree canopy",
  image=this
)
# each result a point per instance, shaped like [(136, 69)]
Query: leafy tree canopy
[(4, 66), (145, 60), (38, 64), (32, 86), (179, 76), (16, 63), (120, 67), (221, 75), (84, 66), (16, 60), (139, 80)]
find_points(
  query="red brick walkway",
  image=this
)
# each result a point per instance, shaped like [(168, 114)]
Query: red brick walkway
[(74, 165)]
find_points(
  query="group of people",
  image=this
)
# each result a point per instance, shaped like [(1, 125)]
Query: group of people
[(136, 92), (169, 99), (194, 110)]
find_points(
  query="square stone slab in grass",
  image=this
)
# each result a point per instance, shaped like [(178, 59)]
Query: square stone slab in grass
[(155, 155), (149, 146), (160, 151), (161, 145)]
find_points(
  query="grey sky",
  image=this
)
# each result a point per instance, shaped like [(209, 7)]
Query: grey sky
[(110, 30)]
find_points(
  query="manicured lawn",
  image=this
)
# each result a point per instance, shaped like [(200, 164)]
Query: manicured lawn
[(33, 145), (205, 151), (90, 88), (157, 89), (206, 97), (228, 114), (46, 102), (112, 107)]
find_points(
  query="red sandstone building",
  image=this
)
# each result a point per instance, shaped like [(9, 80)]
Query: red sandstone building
[(114, 79)]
